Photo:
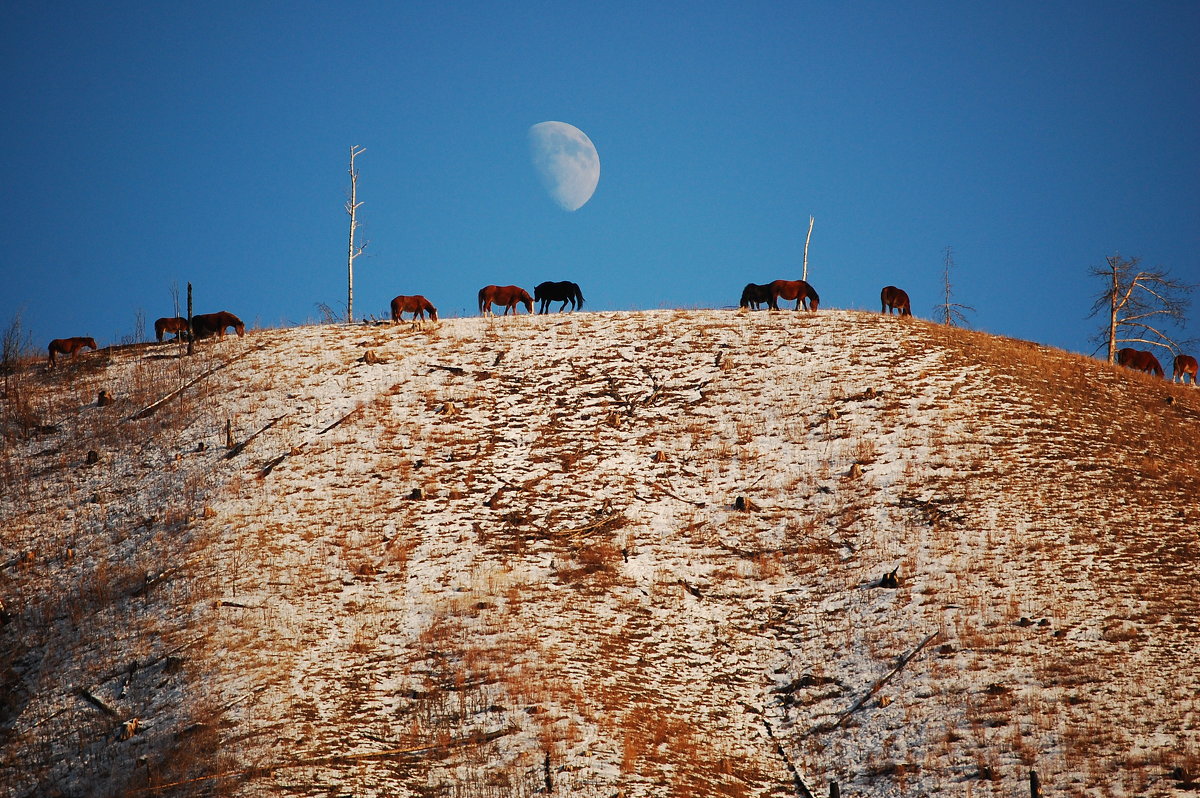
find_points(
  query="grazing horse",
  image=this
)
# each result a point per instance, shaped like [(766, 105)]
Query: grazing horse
[(207, 324), (68, 346), (506, 295), (1139, 361), (892, 298), (753, 296), (563, 292), (416, 305), (798, 290), (171, 324), (1184, 366)]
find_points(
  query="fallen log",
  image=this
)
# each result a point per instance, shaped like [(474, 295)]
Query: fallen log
[(236, 450), (860, 703)]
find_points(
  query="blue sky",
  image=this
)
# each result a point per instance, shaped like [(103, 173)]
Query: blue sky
[(148, 145)]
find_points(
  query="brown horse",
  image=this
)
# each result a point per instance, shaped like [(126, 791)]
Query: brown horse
[(1139, 361), (68, 346), (207, 324), (506, 295), (416, 305), (1184, 367), (798, 290), (170, 324), (892, 298)]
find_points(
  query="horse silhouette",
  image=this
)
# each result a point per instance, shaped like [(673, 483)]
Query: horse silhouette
[(1183, 367), (68, 346), (892, 298), (506, 295), (564, 292), (754, 296), (209, 324), (415, 304), (798, 290), (1138, 360), (170, 324)]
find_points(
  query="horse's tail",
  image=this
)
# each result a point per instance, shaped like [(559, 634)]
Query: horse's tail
[(482, 294), (578, 296)]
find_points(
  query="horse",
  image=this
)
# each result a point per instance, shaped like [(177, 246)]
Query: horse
[(207, 324), (563, 292), (172, 324), (892, 298), (753, 296), (416, 305), (798, 290), (68, 346), (506, 295), (1184, 366), (1139, 361)]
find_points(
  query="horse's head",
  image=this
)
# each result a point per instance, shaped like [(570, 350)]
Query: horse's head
[(433, 313), (526, 300), (90, 342)]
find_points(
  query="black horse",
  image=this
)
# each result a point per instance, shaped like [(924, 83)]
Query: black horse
[(563, 292), (754, 296)]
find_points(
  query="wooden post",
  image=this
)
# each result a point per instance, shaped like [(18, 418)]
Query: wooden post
[(1034, 785), (834, 792), (806, 240), (190, 336)]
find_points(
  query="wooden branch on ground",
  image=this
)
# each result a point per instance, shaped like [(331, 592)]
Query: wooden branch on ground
[(346, 417), (269, 466), (661, 489), (236, 450), (860, 703), (91, 698), (802, 789), (151, 409)]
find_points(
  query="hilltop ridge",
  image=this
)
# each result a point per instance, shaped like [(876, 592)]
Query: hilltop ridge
[(600, 554)]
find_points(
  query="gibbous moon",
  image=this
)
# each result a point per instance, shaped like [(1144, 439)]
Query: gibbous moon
[(566, 161)]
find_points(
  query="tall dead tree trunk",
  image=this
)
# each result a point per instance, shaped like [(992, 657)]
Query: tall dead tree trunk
[(807, 238), (352, 205), (1113, 306)]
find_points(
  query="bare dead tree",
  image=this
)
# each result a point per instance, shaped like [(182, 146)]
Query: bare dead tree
[(1138, 305), (951, 312), (806, 240), (352, 206)]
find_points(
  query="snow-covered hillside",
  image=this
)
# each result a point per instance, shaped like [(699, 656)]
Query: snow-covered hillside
[(600, 554)]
